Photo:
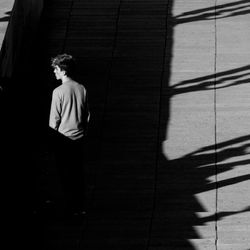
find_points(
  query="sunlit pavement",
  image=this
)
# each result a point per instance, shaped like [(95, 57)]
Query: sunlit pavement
[(209, 115), (169, 162), (5, 9)]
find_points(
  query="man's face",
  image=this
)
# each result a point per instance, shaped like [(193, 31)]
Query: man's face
[(58, 73)]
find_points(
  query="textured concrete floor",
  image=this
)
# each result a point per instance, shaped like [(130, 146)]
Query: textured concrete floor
[(168, 164)]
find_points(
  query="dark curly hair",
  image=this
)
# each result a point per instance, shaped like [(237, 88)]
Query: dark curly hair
[(65, 62)]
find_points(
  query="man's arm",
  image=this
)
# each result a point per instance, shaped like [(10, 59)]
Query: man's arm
[(86, 115), (55, 111)]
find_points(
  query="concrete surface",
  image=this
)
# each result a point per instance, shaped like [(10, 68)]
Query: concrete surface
[(168, 164)]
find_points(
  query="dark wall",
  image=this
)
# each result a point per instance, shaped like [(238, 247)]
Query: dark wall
[(20, 112), (19, 38), (19, 77)]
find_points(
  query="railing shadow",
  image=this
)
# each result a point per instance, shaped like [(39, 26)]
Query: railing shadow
[(225, 79), (181, 179), (7, 17), (175, 182), (236, 8)]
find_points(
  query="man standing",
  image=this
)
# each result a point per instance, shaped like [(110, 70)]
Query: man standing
[(69, 116)]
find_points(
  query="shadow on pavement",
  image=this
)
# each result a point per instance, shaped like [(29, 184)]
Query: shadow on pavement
[(225, 79), (235, 8), (6, 18), (141, 199)]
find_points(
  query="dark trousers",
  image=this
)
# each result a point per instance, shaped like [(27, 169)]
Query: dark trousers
[(70, 159)]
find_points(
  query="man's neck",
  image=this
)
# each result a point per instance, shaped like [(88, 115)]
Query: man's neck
[(66, 79)]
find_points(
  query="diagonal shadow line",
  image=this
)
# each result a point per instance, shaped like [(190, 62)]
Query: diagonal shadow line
[(245, 12), (6, 18), (206, 160), (210, 16), (207, 17), (235, 83), (207, 82), (222, 215), (223, 144), (209, 85), (212, 76), (225, 79), (228, 182), (218, 7), (220, 12), (225, 166), (208, 13)]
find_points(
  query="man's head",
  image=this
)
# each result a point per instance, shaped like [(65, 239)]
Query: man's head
[(65, 64)]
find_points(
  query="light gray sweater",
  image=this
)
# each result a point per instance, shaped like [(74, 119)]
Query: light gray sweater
[(69, 113)]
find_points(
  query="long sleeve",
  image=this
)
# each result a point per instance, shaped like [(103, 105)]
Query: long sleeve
[(55, 111), (86, 114)]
